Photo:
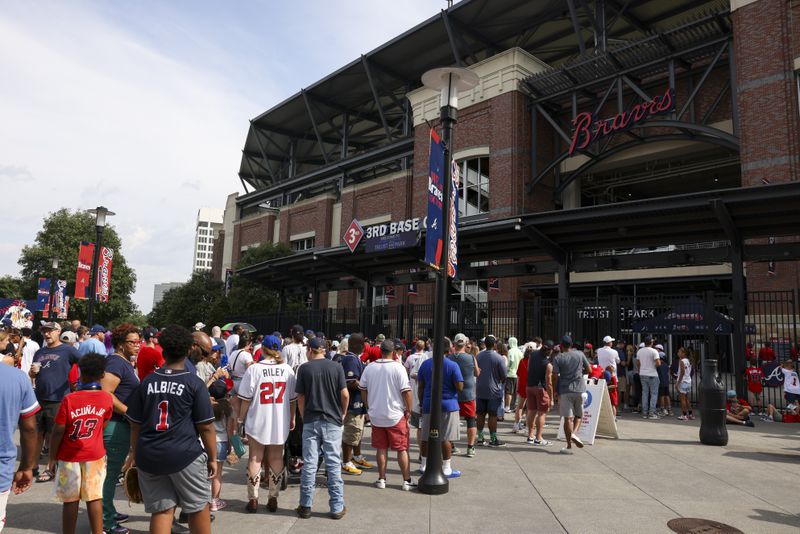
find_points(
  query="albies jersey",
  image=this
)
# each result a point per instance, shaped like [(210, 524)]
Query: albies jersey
[(791, 384), (270, 388)]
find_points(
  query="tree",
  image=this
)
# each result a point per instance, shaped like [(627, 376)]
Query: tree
[(248, 297), (60, 237), (14, 288)]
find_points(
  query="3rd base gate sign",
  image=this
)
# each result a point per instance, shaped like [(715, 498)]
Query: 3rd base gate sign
[(353, 235)]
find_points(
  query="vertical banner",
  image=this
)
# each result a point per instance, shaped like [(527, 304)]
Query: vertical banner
[(452, 259), (60, 299), (104, 274), (43, 296), (434, 239), (412, 287), (388, 292), (228, 281), (771, 263), (82, 277)]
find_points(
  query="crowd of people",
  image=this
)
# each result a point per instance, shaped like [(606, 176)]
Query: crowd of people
[(177, 404)]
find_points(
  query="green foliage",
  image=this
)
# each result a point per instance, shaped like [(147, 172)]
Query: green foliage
[(14, 288), (60, 237), (203, 299)]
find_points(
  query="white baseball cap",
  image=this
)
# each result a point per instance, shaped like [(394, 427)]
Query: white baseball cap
[(608, 339), (460, 339), (660, 347)]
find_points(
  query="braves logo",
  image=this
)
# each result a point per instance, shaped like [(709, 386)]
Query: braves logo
[(773, 375)]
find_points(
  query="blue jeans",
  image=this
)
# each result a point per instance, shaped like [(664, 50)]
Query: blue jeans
[(649, 391), (327, 436)]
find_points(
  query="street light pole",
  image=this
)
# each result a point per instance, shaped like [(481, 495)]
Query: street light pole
[(449, 81), (53, 281), (100, 214)]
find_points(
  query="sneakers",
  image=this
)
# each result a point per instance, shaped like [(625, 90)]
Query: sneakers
[(530, 441), (217, 505), (340, 514), (691, 417), (380, 483), (654, 416), (116, 529), (121, 518), (272, 504), (409, 485), (749, 423), (566, 451), (471, 452), (454, 474), (252, 506), (351, 469), (577, 441), (515, 429), (454, 449), (497, 443), (542, 443), (507, 410), (480, 441), (303, 512), (362, 462), (683, 418)]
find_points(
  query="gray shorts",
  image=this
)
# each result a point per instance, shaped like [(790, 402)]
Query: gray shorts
[(414, 420), (189, 488), (570, 404), (449, 430)]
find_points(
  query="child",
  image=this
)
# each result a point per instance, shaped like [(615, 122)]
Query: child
[(685, 384), (611, 382), (791, 384), (754, 376), (663, 383), (77, 446), (224, 425)]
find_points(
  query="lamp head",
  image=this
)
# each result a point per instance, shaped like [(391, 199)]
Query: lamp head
[(101, 213), (55, 263), (449, 81)]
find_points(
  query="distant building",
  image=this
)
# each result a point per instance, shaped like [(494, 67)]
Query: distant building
[(160, 289), (209, 224)]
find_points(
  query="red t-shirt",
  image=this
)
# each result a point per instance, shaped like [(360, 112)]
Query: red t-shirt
[(522, 377), (766, 354), (613, 394), (596, 371), (742, 402), (754, 376), (84, 414), (371, 354), (148, 360)]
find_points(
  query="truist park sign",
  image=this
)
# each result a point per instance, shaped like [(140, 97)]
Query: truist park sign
[(587, 129)]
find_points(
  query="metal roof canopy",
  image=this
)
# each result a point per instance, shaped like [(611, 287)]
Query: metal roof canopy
[(541, 241), (362, 106)]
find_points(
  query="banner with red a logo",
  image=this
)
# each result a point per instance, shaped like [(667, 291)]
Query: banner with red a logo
[(104, 273), (84, 273)]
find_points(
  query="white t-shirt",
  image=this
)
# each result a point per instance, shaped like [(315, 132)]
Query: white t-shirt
[(28, 351), (231, 344), (791, 384), (687, 371), (607, 356), (294, 354), (647, 357), (269, 387), (413, 369), (239, 361), (385, 382)]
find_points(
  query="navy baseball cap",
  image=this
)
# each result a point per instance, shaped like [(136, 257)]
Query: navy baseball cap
[(96, 329), (566, 340), (316, 343)]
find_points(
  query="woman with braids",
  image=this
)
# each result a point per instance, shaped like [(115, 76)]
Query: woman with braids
[(268, 404), (121, 381)]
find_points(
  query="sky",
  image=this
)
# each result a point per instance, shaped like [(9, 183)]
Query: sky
[(143, 107)]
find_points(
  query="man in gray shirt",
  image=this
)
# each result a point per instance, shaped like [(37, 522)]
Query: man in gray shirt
[(568, 369), (466, 397), (489, 389)]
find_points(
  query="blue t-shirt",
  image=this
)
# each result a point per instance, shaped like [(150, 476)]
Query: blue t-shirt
[(92, 345), (490, 383), (451, 374), (16, 400), (52, 382), (663, 374), (168, 404), (128, 380), (353, 367)]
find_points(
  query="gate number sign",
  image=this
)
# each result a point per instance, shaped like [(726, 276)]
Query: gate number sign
[(353, 235)]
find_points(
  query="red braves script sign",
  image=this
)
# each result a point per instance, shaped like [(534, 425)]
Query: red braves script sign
[(353, 235), (587, 130)]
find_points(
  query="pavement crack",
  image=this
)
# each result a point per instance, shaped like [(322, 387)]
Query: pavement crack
[(539, 493)]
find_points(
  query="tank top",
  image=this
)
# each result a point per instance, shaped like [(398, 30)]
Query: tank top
[(537, 368), (687, 371)]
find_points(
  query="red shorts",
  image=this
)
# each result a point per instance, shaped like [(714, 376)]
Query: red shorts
[(466, 409), (393, 437), (614, 396), (538, 399)]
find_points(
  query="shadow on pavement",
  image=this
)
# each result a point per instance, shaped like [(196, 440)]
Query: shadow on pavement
[(771, 516), (762, 456)]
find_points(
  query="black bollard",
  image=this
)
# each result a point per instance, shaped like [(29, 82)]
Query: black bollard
[(713, 430)]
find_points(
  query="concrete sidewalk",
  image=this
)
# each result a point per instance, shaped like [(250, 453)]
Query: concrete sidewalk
[(655, 472)]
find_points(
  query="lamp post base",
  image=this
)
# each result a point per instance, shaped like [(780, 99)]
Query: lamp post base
[(433, 482)]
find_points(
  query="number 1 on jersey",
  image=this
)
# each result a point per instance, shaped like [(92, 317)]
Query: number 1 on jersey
[(163, 413)]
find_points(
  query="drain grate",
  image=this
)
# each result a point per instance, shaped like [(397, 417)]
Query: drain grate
[(693, 525)]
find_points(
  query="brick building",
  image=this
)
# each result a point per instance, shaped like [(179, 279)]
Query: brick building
[(355, 146)]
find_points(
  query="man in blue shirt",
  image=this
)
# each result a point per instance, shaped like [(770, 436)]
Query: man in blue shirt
[(452, 383), (17, 405), (95, 342)]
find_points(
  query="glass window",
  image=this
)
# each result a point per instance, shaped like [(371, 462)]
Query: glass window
[(303, 244), (473, 191)]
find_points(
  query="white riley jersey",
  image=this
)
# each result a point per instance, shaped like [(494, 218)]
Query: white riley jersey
[(791, 384), (270, 388)]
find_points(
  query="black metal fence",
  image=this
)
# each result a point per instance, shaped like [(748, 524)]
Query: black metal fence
[(771, 317)]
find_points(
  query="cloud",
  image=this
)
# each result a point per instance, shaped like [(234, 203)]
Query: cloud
[(143, 107)]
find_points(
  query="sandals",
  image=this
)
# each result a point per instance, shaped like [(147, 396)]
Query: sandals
[(45, 476)]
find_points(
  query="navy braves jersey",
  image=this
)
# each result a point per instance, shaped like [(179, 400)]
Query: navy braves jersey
[(167, 406)]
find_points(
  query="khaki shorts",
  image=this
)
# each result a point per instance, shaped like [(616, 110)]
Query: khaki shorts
[(80, 481), (353, 429), (570, 405)]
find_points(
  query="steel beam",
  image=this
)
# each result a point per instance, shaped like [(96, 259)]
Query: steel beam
[(374, 90), (553, 249), (703, 78), (451, 39), (576, 26), (314, 125)]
